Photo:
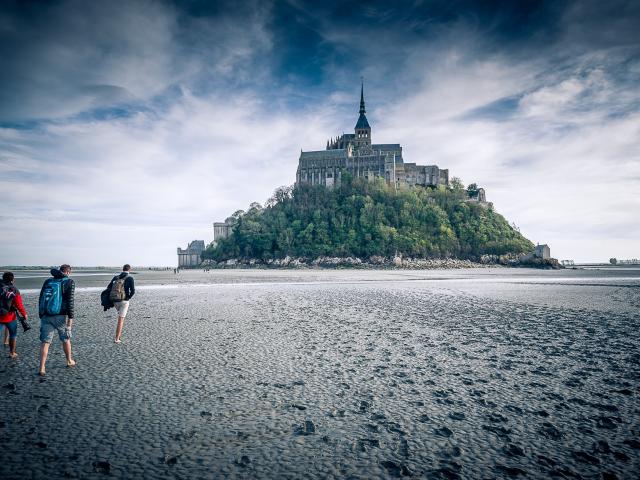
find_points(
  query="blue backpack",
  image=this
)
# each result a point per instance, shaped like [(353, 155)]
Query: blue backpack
[(51, 298)]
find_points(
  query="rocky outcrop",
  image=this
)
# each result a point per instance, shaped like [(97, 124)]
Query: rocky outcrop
[(522, 260), (396, 262)]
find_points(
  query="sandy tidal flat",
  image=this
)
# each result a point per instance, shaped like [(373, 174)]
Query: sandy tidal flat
[(360, 374)]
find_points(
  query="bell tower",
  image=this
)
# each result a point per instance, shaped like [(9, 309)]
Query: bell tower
[(362, 130)]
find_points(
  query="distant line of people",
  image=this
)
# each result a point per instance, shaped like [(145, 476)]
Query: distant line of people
[(56, 309)]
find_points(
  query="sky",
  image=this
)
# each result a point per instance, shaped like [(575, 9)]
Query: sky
[(128, 127)]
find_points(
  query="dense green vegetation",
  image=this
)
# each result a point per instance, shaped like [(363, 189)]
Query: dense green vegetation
[(368, 218)]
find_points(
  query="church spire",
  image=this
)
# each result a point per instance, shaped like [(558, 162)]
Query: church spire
[(362, 110)]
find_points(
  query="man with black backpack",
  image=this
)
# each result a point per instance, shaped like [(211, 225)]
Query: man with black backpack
[(10, 306), (121, 289), (56, 310)]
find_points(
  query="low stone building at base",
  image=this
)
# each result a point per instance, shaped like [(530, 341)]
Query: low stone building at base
[(542, 251), (191, 257)]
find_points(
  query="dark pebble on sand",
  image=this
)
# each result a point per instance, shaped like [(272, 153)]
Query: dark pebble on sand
[(443, 432), (243, 461), (601, 447), (563, 473), (496, 418), (609, 476), (456, 416), (41, 445), (584, 457), (513, 450), (444, 473), (606, 423), (205, 414), (365, 444), (101, 466), (550, 431), (171, 459), (514, 409), (635, 444), (623, 457), (623, 391), (546, 461), (511, 471), (307, 428), (450, 452), (499, 431), (396, 469)]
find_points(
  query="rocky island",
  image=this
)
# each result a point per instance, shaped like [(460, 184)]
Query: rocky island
[(359, 204), (367, 223)]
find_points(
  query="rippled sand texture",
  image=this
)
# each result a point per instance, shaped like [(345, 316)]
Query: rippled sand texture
[(351, 379)]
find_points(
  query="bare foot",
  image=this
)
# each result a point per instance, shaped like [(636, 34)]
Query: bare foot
[(13, 355), (42, 373), (71, 363), (118, 341)]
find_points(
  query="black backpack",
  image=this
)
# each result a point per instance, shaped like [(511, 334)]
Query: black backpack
[(6, 299)]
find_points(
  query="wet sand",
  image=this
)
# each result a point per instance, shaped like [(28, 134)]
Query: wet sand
[(492, 373)]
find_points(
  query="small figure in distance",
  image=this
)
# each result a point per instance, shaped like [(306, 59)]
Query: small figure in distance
[(10, 303), (56, 308), (121, 289)]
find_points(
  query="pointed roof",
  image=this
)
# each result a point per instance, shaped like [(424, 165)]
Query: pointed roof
[(362, 119)]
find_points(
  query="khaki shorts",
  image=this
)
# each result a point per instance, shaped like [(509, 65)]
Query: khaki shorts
[(122, 308), (54, 323)]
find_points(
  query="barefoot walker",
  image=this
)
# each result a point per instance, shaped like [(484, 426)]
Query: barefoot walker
[(56, 309), (121, 289), (10, 303)]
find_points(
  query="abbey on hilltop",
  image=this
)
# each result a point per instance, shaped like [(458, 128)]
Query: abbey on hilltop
[(355, 154)]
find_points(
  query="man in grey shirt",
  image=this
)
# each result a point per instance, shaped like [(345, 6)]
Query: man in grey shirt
[(56, 307)]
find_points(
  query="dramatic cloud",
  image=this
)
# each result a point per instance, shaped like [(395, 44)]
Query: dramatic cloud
[(126, 128)]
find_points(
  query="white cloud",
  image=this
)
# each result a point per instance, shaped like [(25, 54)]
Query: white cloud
[(552, 139), (159, 180), (562, 165)]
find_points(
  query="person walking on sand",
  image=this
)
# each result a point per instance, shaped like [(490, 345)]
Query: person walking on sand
[(122, 288), (56, 307), (10, 303)]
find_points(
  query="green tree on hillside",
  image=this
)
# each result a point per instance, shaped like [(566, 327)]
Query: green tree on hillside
[(364, 218)]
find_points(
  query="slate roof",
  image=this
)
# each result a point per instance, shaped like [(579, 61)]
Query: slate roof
[(362, 122), (319, 154)]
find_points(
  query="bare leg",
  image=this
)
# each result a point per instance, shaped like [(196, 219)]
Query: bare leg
[(5, 339), (44, 352), (119, 328), (66, 346), (12, 348)]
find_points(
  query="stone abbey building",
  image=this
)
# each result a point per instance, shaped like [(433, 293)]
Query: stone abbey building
[(354, 153)]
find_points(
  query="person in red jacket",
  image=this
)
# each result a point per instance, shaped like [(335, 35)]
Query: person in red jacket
[(12, 299)]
